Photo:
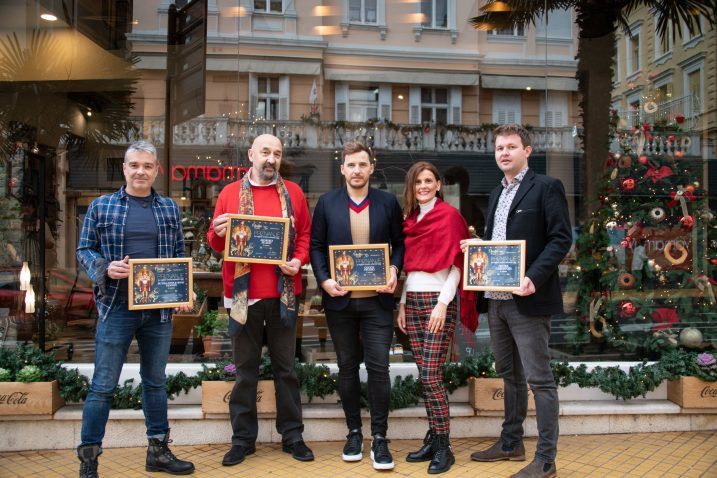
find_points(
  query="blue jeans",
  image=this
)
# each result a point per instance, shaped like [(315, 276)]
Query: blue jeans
[(363, 324), (520, 345), (112, 340)]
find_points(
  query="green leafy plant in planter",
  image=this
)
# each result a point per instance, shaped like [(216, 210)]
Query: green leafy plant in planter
[(212, 324), (27, 363)]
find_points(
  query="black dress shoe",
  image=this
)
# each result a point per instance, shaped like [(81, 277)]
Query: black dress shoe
[(299, 450), (237, 454)]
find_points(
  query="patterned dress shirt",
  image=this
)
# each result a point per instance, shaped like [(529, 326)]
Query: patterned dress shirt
[(500, 221), (102, 241)]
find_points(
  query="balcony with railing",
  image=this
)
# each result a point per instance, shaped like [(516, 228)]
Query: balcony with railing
[(680, 113), (223, 131)]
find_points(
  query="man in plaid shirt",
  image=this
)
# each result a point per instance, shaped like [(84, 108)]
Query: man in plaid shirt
[(134, 222)]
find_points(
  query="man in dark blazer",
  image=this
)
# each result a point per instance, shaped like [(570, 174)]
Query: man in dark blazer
[(359, 214), (532, 207)]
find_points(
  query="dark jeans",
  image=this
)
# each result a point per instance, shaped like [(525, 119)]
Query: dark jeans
[(112, 340), (520, 345), (246, 347), (365, 322)]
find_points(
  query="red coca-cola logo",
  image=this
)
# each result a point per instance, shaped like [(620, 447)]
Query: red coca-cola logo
[(15, 398)]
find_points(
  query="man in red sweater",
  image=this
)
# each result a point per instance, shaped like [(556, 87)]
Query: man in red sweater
[(263, 296)]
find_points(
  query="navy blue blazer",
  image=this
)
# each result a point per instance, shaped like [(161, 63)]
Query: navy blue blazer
[(331, 225), (538, 214)]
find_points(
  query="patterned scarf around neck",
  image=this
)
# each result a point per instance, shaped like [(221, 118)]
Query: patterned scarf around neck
[(285, 284)]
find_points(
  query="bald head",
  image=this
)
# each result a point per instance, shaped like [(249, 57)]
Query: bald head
[(265, 157)]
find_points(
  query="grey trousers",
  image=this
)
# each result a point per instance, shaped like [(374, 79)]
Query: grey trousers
[(520, 345)]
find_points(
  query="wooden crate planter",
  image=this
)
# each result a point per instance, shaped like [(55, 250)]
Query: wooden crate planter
[(31, 398), (692, 392), (215, 396), (487, 394)]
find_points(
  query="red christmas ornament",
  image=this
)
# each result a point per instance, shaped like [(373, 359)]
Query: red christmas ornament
[(713, 261), (690, 188), (627, 309), (679, 154), (642, 159), (671, 138), (628, 184), (646, 127), (680, 119), (687, 222)]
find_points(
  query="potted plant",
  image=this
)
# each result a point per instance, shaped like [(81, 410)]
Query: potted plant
[(696, 387), (34, 383), (184, 322), (209, 330)]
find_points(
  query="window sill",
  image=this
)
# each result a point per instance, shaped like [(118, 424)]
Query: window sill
[(693, 42), (664, 58), (633, 76), (506, 38), (418, 30), (382, 29)]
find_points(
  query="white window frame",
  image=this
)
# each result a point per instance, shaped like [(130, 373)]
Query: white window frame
[(433, 25), (664, 80), (550, 34), (634, 70), (268, 10), (687, 70), (618, 68), (363, 20), (282, 97), (634, 116), (518, 32), (379, 24), (689, 41), (434, 106), (342, 101), (662, 56)]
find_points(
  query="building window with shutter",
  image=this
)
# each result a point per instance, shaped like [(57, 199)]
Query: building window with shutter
[(363, 103), (634, 51), (434, 105), (267, 104), (506, 108)]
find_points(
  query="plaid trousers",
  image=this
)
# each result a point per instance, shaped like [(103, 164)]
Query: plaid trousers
[(430, 351)]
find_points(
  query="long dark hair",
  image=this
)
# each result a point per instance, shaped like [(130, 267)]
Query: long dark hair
[(410, 203)]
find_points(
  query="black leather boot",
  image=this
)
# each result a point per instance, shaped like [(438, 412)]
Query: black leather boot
[(443, 455), (159, 458), (426, 451), (88, 460)]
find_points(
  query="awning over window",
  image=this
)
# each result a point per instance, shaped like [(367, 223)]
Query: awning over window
[(414, 77), (279, 67), (523, 82)]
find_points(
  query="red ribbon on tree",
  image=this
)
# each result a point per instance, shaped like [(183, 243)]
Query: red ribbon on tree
[(656, 173)]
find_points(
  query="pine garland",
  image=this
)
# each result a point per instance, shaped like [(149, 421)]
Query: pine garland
[(317, 381)]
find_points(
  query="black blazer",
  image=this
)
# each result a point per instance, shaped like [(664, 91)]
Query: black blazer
[(538, 214), (331, 226)]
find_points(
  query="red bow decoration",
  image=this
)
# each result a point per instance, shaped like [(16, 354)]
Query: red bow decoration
[(673, 202), (658, 173), (664, 318)]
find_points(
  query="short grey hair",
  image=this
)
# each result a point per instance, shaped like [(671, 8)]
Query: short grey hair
[(142, 147)]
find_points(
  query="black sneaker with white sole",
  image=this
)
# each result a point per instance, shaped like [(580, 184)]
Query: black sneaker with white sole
[(380, 454), (353, 449)]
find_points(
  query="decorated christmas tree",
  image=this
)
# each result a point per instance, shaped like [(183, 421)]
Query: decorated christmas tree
[(647, 257)]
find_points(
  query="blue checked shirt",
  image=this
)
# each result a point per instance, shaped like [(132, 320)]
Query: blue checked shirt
[(102, 241)]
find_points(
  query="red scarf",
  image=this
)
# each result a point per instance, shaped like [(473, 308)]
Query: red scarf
[(433, 244)]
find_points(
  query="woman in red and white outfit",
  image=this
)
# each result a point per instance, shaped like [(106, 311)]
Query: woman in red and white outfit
[(433, 261)]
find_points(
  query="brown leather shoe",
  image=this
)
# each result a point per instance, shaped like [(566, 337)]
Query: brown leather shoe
[(537, 469), (497, 453)]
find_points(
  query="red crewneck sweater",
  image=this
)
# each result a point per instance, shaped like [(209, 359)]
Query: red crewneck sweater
[(263, 278)]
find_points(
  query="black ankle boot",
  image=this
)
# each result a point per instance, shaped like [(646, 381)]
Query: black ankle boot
[(443, 455), (426, 451), (159, 458), (88, 460)]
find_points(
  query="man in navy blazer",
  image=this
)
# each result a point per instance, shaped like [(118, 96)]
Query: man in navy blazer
[(532, 207), (359, 214)]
